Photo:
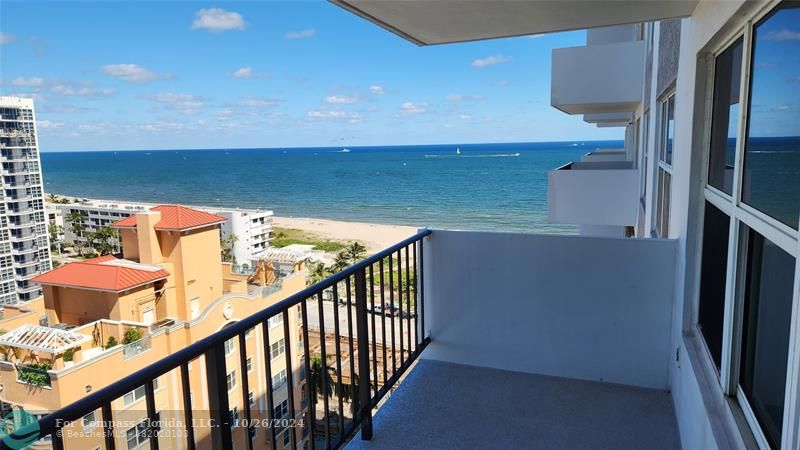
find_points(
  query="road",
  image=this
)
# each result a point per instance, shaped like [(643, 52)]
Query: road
[(327, 307)]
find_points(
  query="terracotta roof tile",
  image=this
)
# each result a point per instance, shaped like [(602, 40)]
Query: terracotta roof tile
[(175, 218), (105, 273)]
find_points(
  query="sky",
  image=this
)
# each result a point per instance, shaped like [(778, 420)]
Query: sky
[(111, 75)]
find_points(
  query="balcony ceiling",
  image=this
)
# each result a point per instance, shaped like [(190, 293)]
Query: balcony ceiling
[(427, 22)]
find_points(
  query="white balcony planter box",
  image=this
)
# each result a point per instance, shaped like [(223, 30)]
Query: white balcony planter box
[(593, 193), (597, 79)]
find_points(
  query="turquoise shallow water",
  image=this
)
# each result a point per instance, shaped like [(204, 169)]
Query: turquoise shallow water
[(487, 187)]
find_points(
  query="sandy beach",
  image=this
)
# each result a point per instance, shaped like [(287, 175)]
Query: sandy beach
[(374, 236)]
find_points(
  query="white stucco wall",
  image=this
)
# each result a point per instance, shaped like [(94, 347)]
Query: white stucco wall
[(570, 306)]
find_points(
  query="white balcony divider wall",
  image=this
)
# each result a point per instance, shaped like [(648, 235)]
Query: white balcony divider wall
[(552, 305)]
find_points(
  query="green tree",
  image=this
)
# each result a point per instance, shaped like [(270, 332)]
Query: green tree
[(52, 198), (340, 262), (226, 246), (75, 220), (318, 272), (103, 241), (319, 376), (355, 252), (55, 231)]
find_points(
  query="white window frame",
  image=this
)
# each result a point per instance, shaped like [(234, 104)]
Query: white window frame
[(743, 217), (230, 380), (662, 133)]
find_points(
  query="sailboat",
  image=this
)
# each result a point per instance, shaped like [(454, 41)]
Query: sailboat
[(458, 150)]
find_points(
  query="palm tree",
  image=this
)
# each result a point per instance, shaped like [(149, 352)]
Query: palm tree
[(356, 252), (341, 261), (75, 220), (318, 272), (227, 245), (52, 198), (318, 376), (103, 240), (55, 231)]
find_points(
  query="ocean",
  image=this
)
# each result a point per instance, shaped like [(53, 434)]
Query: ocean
[(486, 187)]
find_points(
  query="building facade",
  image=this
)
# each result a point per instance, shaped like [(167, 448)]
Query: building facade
[(24, 241), (252, 227), (103, 318)]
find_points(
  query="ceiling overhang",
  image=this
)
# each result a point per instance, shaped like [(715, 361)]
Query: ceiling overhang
[(428, 22)]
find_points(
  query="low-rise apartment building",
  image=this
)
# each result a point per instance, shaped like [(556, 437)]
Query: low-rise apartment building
[(252, 227), (103, 318)]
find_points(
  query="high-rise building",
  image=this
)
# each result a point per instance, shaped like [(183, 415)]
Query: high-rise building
[(24, 244)]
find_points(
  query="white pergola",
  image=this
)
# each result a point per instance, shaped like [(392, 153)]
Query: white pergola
[(42, 339)]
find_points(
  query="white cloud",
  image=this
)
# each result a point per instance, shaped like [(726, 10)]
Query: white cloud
[(459, 98), (6, 38), (180, 102), (332, 114), (408, 108), (490, 61), (27, 82), (49, 124), (78, 89), (341, 99), (217, 19), (378, 90), (305, 34), (784, 35), (253, 101), (244, 72), (132, 73)]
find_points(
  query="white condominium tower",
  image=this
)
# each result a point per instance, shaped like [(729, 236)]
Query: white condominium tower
[(24, 244)]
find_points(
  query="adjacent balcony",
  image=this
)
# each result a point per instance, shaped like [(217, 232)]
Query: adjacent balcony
[(502, 349), (606, 78), (605, 155), (594, 193)]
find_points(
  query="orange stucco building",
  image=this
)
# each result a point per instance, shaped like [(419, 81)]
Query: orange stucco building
[(104, 318)]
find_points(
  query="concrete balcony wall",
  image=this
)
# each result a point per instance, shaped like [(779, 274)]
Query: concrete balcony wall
[(570, 306), (605, 155), (610, 35), (596, 79), (594, 193), (616, 119)]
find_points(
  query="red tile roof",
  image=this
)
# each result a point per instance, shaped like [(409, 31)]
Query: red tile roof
[(106, 273), (175, 218)]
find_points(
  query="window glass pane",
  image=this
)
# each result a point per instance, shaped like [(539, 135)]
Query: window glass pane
[(712, 279), (725, 123), (772, 153), (664, 196), (765, 332), (670, 129)]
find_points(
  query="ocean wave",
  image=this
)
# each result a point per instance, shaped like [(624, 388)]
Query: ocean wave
[(499, 155)]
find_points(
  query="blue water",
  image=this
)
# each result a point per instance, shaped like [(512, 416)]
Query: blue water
[(487, 187)]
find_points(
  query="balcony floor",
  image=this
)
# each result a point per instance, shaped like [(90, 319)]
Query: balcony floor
[(443, 405)]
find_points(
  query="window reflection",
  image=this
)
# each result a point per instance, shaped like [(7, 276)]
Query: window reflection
[(725, 123), (771, 179)]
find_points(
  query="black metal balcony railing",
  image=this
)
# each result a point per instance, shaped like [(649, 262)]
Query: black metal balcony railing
[(395, 273)]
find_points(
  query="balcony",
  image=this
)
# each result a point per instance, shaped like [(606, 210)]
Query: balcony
[(502, 336), (596, 79), (605, 155), (594, 193)]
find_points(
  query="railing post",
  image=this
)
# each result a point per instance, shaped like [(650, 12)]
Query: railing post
[(365, 410), (218, 398)]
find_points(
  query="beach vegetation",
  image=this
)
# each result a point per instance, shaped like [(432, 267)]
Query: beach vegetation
[(226, 247), (283, 237)]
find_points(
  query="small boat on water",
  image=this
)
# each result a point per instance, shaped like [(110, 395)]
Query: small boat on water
[(458, 150), (344, 150)]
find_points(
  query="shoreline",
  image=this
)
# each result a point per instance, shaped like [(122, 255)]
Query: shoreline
[(374, 236)]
